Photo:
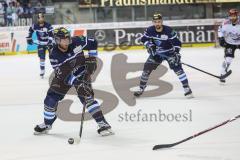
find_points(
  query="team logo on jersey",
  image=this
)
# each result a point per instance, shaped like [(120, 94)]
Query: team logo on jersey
[(234, 36), (54, 60), (45, 29), (164, 37), (77, 50)]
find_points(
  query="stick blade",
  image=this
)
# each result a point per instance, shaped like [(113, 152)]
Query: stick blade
[(76, 140), (226, 75), (162, 146)]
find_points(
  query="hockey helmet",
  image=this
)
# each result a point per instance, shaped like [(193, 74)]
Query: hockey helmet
[(61, 33), (157, 16), (233, 12), (40, 15)]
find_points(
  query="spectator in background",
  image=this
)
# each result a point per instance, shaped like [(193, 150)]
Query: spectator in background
[(1, 8), (14, 14), (39, 4), (13, 2), (1, 14), (4, 3), (19, 10), (28, 10), (10, 10)]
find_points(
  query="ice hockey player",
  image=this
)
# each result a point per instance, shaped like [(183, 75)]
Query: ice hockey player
[(229, 38), (72, 69), (44, 32), (162, 43)]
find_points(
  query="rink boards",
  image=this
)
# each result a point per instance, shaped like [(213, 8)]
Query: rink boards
[(112, 36)]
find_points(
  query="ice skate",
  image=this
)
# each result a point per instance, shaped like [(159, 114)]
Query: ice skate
[(42, 129), (104, 128)]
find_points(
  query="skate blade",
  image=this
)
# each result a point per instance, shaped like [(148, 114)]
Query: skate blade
[(77, 140), (137, 95), (107, 132), (40, 133), (190, 96), (222, 83)]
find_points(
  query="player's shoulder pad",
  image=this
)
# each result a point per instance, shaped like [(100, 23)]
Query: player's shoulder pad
[(238, 22), (54, 51), (150, 29), (47, 24), (167, 29), (227, 21), (34, 26), (78, 39)]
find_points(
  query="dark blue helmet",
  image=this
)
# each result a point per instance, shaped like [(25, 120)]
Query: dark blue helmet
[(61, 33)]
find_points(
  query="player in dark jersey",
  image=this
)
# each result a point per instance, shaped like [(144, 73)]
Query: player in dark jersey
[(162, 44), (72, 69), (44, 32)]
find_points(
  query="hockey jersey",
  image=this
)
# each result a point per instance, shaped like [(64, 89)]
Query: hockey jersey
[(166, 41), (44, 33), (230, 32), (75, 49)]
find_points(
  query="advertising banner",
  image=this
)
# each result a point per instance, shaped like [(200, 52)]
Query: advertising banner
[(132, 36), (13, 40), (113, 35)]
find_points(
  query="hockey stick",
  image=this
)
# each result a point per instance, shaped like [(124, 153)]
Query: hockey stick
[(161, 146), (82, 119), (219, 77), (83, 113), (76, 140)]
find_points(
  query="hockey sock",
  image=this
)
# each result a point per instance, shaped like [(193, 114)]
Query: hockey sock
[(94, 109), (226, 63), (144, 78), (50, 108), (49, 115), (42, 66), (182, 77)]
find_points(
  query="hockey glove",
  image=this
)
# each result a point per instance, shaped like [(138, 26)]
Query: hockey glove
[(29, 40), (222, 42), (174, 60), (151, 48), (91, 63), (50, 44), (77, 74), (84, 89)]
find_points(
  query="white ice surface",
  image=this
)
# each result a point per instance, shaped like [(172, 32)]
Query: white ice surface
[(21, 104)]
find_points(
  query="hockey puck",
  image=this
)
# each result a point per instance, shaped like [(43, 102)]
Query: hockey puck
[(70, 140)]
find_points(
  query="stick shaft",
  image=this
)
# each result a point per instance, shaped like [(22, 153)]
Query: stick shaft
[(200, 70), (196, 135), (82, 120), (193, 67), (209, 129)]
